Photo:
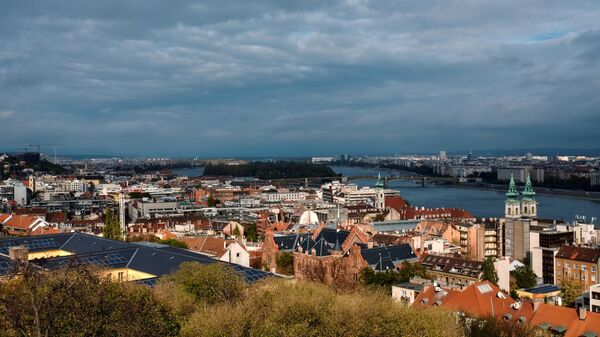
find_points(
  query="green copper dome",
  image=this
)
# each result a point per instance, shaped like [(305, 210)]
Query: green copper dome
[(512, 189), (379, 183), (528, 192)]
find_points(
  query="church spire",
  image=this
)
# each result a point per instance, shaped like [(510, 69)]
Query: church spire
[(528, 192), (512, 193), (379, 183)]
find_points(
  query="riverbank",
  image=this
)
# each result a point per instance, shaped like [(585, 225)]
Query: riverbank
[(583, 195)]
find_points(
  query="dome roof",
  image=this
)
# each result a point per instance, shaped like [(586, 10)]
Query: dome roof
[(308, 218)]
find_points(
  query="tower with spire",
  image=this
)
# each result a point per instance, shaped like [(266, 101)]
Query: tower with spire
[(512, 205), (380, 197), (528, 204)]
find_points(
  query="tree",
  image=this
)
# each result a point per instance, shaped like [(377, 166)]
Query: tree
[(112, 227), (211, 201), (77, 301), (571, 290), (492, 326), (250, 232), (207, 283), (523, 277), (489, 272), (306, 309), (236, 231), (285, 263), (174, 243)]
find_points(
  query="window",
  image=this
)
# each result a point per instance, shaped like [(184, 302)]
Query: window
[(567, 265), (583, 267), (237, 254), (593, 269), (120, 276), (558, 263), (575, 266), (593, 278)]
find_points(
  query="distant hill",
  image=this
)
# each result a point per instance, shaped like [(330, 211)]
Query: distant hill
[(270, 170)]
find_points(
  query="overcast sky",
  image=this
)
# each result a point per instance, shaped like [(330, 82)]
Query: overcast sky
[(253, 78)]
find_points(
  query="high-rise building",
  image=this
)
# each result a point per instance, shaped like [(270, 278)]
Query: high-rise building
[(443, 156)]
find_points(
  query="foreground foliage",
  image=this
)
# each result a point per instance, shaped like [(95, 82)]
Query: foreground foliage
[(77, 302), (280, 308), (212, 300)]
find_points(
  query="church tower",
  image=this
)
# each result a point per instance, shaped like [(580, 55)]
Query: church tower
[(380, 197), (528, 204), (511, 205)]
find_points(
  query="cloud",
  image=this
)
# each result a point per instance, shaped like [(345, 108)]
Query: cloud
[(295, 78), (6, 114)]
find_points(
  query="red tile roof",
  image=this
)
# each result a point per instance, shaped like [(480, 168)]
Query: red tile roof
[(584, 254)]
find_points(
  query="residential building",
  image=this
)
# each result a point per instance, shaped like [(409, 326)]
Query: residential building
[(544, 246), (580, 264), (595, 298), (453, 272)]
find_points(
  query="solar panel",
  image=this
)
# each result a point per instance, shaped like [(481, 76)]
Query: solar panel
[(5, 267), (484, 288)]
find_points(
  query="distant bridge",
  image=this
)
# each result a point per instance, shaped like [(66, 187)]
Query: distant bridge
[(423, 180)]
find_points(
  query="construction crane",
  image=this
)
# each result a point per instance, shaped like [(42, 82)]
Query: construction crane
[(39, 147)]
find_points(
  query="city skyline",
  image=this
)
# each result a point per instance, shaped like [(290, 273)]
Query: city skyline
[(299, 79)]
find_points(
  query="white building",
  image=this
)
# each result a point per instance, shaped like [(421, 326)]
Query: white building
[(283, 196), (14, 190)]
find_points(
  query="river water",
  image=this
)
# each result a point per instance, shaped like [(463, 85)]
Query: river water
[(480, 203)]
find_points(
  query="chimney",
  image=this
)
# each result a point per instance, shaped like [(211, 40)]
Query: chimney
[(582, 311), (19, 253)]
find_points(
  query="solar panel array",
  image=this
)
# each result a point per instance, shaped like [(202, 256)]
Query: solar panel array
[(108, 260), (35, 244), (5, 267), (249, 274), (151, 282)]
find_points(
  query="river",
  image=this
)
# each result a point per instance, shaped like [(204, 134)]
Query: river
[(480, 203)]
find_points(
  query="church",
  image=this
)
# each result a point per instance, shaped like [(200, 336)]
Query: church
[(519, 217)]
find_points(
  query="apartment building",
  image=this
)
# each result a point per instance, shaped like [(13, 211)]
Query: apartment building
[(578, 263)]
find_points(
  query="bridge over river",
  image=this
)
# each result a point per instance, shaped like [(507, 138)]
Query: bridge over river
[(423, 180)]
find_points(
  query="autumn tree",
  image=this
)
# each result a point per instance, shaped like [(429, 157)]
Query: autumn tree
[(285, 263), (207, 283), (280, 308), (571, 289), (77, 301)]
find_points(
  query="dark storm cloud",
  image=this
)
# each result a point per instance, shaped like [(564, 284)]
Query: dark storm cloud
[(299, 77)]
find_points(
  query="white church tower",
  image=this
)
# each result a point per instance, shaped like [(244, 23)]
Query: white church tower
[(380, 197), (512, 209), (528, 204)]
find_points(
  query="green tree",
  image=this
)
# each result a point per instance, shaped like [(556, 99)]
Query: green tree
[(207, 283), (250, 232), (571, 289), (173, 243), (112, 228), (523, 277), (211, 201), (489, 272), (285, 263)]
